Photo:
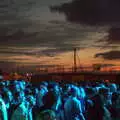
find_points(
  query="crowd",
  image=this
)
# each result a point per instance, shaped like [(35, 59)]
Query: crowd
[(20, 100)]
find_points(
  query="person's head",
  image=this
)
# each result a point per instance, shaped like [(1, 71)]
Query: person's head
[(31, 100), (51, 86), (16, 87), (90, 92), (81, 92), (43, 89), (21, 85), (5, 94), (74, 91), (66, 88), (35, 91), (2, 83), (56, 88), (44, 83), (101, 85), (19, 97), (28, 91), (105, 94), (48, 115), (7, 83), (10, 96), (1, 77), (113, 87), (22, 95)]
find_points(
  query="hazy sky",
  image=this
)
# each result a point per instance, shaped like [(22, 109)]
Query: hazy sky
[(32, 34)]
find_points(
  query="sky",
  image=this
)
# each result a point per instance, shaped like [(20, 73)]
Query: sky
[(45, 32)]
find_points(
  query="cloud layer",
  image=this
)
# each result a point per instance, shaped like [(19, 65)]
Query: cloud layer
[(90, 12), (30, 33), (114, 36), (111, 55)]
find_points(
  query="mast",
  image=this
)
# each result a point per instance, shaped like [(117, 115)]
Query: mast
[(75, 64)]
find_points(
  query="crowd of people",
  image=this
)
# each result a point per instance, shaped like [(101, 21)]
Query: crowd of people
[(48, 100)]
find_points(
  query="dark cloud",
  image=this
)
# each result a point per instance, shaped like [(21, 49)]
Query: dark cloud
[(18, 62), (15, 38), (50, 36), (54, 52), (29, 23), (113, 36), (17, 53), (10, 10), (94, 12), (21, 25), (112, 40), (49, 52), (22, 16), (58, 36), (90, 12), (111, 55), (106, 46)]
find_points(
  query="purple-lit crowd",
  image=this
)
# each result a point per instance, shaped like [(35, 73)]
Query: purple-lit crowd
[(20, 100)]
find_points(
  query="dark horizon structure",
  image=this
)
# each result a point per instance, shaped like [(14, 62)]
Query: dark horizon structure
[(77, 77)]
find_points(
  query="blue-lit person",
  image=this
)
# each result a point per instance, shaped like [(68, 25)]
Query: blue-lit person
[(99, 110), (22, 85), (18, 97), (56, 107), (8, 98), (72, 107), (41, 92), (21, 111), (58, 101), (115, 107), (31, 101), (3, 110), (81, 97)]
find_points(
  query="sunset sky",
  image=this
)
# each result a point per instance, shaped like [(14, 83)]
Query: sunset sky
[(33, 33)]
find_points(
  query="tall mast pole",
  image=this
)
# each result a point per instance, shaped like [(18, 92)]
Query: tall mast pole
[(75, 64)]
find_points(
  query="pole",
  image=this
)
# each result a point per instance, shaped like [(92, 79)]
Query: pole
[(75, 65)]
